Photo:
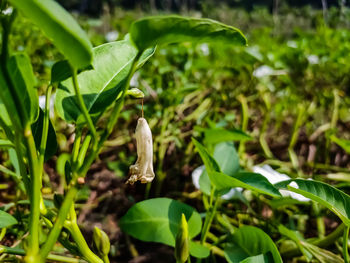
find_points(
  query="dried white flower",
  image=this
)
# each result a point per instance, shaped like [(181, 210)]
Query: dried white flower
[(142, 170)]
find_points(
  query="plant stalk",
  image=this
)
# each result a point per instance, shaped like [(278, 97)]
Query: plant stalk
[(35, 197), (62, 215), (82, 105), (345, 244)]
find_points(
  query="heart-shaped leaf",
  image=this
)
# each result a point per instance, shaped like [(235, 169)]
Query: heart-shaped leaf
[(100, 86), (157, 220), (158, 30)]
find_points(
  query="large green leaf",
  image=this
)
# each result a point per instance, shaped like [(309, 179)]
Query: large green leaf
[(157, 220), (252, 181), (6, 219), (151, 31), (23, 81), (100, 86), (327, 195), (60, 27), (250, 241)]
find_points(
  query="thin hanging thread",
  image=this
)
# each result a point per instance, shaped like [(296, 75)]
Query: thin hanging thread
[(142, 107)]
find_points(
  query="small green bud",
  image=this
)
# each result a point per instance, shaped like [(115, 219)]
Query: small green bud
[(101, 242), (136, 93), (182, 241)]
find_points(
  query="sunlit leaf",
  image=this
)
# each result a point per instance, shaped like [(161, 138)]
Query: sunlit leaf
[(250, 241), (216, 135), (102, 85), (60, 27), (327, 195), (158, 30), (252, 181), (157, 220)]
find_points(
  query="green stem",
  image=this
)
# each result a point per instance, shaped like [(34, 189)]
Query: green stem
[(45, 127), (209, 220), (82, 105), (75, 151), (34, 223), (245, 117), (297, 124), (62, 215), (319, 220), (43, 142), (292, 155), (83, 150), (81, 243), (22, 167), (2, 233), (334, 121), (345, 244), (53, 257)]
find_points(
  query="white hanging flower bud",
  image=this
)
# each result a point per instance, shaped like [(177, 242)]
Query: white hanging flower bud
[(142, 170)]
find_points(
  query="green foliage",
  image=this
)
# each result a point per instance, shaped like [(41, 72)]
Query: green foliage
[(59, 26), (100, 86), (252, 181), (228, 95), (216, 135), (228, 161), (222, 181), (157, 220), (6, 220), (345, 144), (24, 93), (325, 194), (250, 241), (160, 30)]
